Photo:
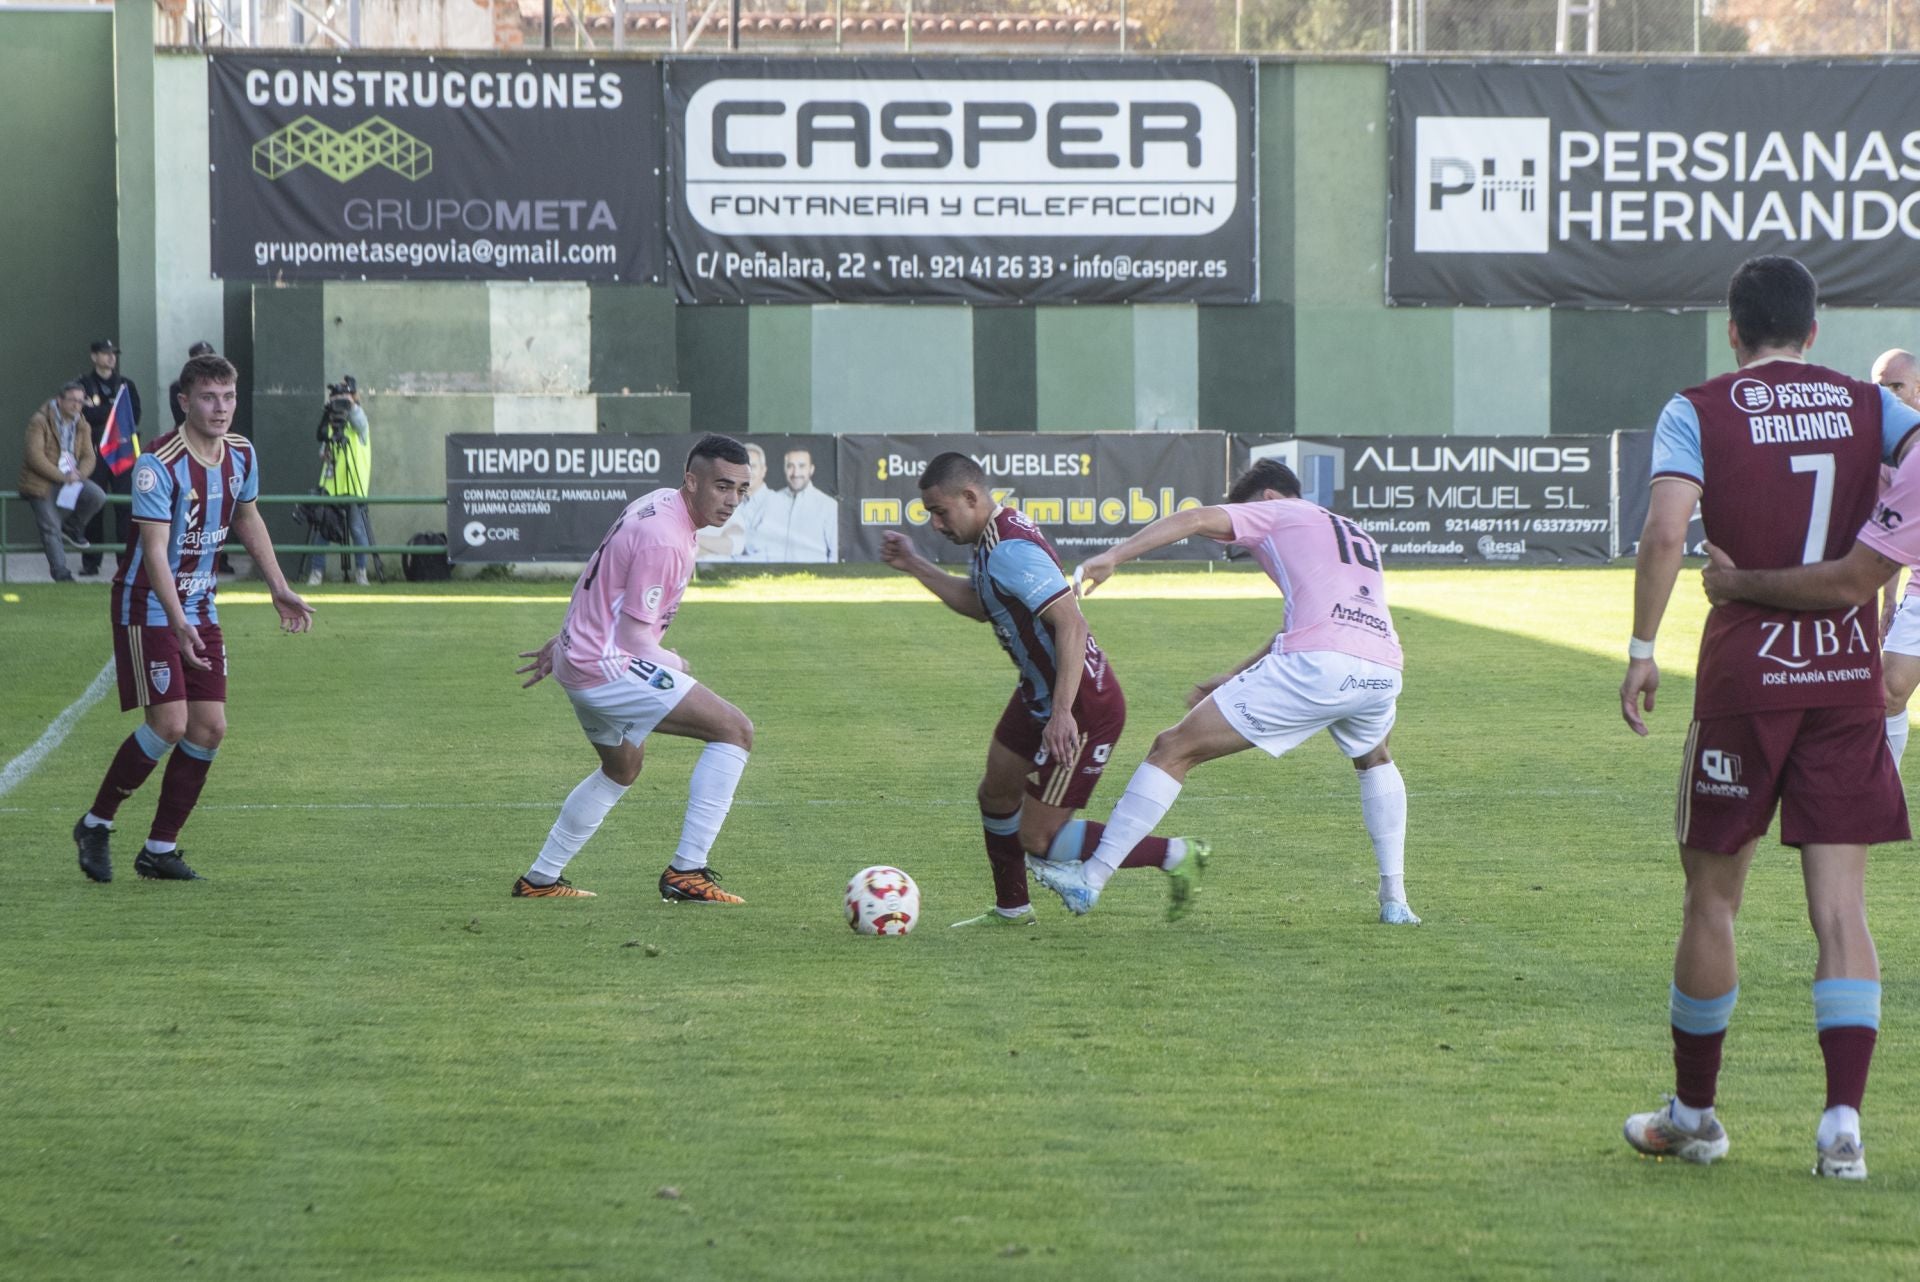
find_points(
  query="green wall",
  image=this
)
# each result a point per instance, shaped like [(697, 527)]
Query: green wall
[(1320, 353), (58, 254)]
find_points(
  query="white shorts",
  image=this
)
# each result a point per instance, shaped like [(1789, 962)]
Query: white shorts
[(1285, 699), (1904, 636), (630, 706)]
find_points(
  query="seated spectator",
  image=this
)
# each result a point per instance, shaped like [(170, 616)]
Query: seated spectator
[(53, 476)]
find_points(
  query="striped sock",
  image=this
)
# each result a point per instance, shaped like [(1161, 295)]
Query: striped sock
[(1699, 1029), (1846, 1012), (1006, 860), (138, 755), (179, 790)]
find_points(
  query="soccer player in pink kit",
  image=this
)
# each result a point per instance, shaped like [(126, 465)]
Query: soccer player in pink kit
[(1335, 666), (1783, 457), (624, 684)]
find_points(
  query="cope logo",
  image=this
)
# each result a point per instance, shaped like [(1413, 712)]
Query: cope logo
[(1480, 184), (479, 534), (1751, 396)]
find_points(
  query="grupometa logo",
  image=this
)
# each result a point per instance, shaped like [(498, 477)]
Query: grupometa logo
[(1480, 184), (342, 155)]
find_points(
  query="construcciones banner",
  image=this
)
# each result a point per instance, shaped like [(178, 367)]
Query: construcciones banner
[(393, 168), (894, 180), (1610, 185)]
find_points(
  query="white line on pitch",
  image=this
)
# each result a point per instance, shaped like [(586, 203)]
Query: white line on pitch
[(15, 772), (896, 803)]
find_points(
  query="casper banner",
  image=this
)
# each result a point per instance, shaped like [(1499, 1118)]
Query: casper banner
[(1086, 492), (1483, 500), (390, 168), (889, 180), (1608, 185), (552, 498)]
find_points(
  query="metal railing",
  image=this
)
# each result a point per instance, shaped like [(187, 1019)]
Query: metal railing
[(9, 497)]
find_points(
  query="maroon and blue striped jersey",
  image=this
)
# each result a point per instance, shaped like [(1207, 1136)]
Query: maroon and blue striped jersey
[(196, 502)]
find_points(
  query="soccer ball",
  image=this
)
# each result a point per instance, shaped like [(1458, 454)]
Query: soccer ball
[(882, 901)]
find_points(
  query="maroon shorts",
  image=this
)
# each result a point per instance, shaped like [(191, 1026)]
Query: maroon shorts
[(1101, 716), (1828, 769), (151, 670)]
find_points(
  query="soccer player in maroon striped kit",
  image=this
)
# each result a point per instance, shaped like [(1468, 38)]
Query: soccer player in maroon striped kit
[(189, 490), (1783, 457), (1057, 732)]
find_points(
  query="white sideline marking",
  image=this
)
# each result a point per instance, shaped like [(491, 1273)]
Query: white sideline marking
[(15, 772), (898, 803)]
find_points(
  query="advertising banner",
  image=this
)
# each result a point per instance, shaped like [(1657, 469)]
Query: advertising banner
[(395, 168), (551, 497), (895, 180), (1632, 488), (1610, 185), (1086, 492), (1481, 500)]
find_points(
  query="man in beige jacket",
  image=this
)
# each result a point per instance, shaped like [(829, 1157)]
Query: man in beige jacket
[(60, 455)]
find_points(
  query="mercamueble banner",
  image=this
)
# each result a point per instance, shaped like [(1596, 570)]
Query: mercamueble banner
[(891, 180), (1632, 185), (390, 168), (1086, 492)]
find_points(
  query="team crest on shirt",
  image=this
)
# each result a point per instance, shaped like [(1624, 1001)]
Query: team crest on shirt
[(653, 596), (160, 676), (144, 480)]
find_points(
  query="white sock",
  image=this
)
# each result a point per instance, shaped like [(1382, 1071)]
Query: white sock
[(95, 821), (582, 813), (1149, 795), (1897, 736), (1383, 807), (1176, 854), (162, 847), (1011, 913), (1837, 1121), (709, 797), (1689, 1119)]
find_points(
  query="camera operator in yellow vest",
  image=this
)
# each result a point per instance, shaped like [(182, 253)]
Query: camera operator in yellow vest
[(346, 471)]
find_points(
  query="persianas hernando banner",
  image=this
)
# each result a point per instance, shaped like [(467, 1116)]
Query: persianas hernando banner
[(895, 180), (389, 168), (1608, 185)]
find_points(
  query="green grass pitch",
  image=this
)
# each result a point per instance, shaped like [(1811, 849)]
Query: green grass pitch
[(350, 1055)]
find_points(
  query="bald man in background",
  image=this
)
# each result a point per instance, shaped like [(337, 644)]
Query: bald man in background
[(1899, 372)]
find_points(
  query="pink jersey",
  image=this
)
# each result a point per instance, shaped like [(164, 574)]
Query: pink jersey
[(1894, 528), (1886, 483), (1329, 570), (641, 571)]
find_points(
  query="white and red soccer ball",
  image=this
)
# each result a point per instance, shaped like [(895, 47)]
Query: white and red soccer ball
[(882, 900)]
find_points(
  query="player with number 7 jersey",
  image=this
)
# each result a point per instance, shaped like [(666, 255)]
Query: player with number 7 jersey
[(1783, 457), (1335, 665)]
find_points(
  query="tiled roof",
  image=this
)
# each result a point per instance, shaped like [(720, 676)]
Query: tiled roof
[(1013, 30)]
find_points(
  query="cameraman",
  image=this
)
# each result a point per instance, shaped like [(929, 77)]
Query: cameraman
[(346, 466)]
